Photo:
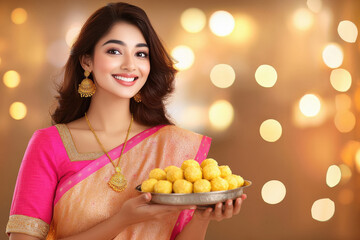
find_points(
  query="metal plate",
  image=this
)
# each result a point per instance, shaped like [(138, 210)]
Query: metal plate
[(200, 199)]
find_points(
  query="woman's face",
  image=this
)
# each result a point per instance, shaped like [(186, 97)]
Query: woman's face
[(120, 64)]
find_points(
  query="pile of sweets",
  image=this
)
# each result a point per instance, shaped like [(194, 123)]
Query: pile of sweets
[(192, 178)]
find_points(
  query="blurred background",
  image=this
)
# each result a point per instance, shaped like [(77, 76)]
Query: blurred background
[(275, 83)]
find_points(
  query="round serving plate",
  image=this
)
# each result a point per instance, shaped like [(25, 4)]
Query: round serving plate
[(200, 199)]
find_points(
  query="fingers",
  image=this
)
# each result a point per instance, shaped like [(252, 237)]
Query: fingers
[(142, 199), (238, 203), (228, 209), (218, 211)]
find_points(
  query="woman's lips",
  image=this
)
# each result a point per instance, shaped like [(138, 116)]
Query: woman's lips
[(126, 79)]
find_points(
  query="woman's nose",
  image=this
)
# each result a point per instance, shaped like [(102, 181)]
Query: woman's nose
[(128, 62)]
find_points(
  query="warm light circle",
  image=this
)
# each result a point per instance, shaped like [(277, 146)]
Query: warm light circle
[(193, 20), (183, 56), (11, 79), (345, 121), (333, 55), (221, 114), (310, 105), (303, 19), (270, 130), (323, 209), (314, 5), (72, 34), (266, 76), (221, 23), (273, 192), (340, 79), (333, 176), (18, 110), (222, 75), (348, 31), (19, 16)]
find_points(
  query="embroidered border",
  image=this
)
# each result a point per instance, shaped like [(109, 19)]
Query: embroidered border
[(70, 148), (29, 225)]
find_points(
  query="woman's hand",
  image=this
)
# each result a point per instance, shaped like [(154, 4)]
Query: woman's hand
[(220, 212), (139, 209)]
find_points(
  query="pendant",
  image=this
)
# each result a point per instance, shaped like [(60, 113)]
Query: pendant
[(117, 181)]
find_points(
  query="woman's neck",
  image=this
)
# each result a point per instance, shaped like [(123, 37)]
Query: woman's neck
[(109, 113)]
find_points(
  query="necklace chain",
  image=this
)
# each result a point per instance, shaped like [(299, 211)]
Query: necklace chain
[(101, 145)]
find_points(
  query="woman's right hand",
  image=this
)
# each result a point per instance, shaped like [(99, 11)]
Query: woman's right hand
[(139, 209)]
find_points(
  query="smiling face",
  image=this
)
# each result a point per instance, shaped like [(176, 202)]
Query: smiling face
[(120, 64)]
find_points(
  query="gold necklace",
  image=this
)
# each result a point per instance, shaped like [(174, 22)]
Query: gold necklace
[(117, 181)]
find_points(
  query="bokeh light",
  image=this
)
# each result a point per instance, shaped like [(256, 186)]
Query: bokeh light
[(270, 130), (303, 19), (346, 196), (193, 20), (244, 30), (348, 31), (357, 160), (72, 34), (221, 114), (18, 110), (314, 5), (357, 98), (342, 102), (345, 121), (221, 23), (273, 192), (348, 152), (11, 79), (333, 176), (333, 55), (222, 75), (345, 172), (323, 209), (303, 121), (19, 16), (340, 79), (266, 76), (310, 105), (183, 56)]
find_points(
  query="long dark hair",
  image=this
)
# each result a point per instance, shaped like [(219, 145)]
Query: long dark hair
[(151, 111)]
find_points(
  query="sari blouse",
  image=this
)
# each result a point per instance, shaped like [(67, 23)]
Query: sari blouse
[(60, 192)]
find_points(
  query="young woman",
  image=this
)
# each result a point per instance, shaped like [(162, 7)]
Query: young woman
[(77, 179)]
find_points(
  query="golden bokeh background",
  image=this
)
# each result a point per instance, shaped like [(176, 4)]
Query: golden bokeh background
[(275, 83)]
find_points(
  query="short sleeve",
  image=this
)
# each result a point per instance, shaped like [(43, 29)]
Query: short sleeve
[(32, 205)]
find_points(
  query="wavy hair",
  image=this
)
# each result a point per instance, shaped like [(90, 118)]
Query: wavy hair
[(151, 111)]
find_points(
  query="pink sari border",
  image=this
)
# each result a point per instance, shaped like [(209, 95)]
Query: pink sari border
[(66, 184), (186, 215)]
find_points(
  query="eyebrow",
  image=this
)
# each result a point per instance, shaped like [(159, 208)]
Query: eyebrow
[(124, 44)]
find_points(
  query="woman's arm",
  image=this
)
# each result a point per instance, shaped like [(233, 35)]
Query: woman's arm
[(196, 228)]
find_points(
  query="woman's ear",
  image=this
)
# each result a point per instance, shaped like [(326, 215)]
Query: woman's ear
[(86, 62)]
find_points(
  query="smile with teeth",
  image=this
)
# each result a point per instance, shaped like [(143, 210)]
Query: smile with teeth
[(125, 79)]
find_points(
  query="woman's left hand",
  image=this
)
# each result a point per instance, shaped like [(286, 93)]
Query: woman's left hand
[(220, 212)]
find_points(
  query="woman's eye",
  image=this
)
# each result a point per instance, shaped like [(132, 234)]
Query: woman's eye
[(113, 51), (142, 54)]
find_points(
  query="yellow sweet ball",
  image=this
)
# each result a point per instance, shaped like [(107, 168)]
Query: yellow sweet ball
[(182, 186), (202, 185), (208, 161), (211, 171), (158, 174), (170, 167), (174, 174), (219, 184), (163, 186), (148, 185), (192, 174), (233, 183), (189, 163), (239, 179), (225, 171)]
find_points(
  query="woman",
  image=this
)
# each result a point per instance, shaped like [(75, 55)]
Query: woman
[(70, 184)]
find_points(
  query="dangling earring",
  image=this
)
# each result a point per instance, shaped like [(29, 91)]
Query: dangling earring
[(137, 97), (86, 87)]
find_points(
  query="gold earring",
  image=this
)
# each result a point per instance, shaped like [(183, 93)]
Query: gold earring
[(137, 97), (86, 87)]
